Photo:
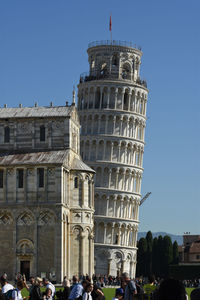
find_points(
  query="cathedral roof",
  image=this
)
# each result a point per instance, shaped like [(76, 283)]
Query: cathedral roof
[(48, 157), (31, 112)]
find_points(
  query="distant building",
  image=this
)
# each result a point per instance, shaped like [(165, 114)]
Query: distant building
[(46, 194), (189, 252)]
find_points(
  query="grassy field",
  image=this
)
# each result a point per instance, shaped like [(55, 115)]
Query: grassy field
[(108, 292)]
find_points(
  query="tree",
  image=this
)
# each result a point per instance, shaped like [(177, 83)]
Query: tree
[(149, 239), (175, 253), (159, 255), (155, 264), (141, 257), (167, 255)]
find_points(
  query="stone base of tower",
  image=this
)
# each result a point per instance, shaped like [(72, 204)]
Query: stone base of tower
[(114, 261)]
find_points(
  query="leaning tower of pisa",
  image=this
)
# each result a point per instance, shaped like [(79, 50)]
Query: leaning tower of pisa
[(112, 108)]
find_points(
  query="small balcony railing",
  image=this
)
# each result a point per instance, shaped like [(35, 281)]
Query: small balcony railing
[(113, 43), (86, 76)]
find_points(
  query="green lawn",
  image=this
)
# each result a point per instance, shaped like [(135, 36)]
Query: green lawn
[(108, 292)]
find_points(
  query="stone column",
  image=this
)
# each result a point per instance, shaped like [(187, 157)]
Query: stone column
[(109, 264), (129, 98), (109, 179), (99, 124), (91, 254), (116, 92), (114, 123), (123, 92), (135, 210), (131, 269), (88, 98), (107, 205), (112, 233), (121, 126), (125, 155), (123, 264), (111, 152), (104, 150), (119, 236), (141, 162), (145, 105), (117, 180), (124, 180), (83, 193), (82, 236), (96, 232), (119, 152), (108, 98), (121, 208), (101, 97), (94, 95), (114, 209), (105, 232), (36, 245), (106, 125)]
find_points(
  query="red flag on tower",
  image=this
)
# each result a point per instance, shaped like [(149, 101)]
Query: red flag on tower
[(110, 25)]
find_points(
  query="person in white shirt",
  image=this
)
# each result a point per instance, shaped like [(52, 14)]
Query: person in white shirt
[(16, 294), (5, 285), (49, 285), (87, 295)]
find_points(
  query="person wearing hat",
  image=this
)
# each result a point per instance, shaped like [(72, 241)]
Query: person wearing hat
[(119, 293), (36, 292)]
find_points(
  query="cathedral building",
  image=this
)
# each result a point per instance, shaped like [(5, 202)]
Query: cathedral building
[(46, 194), (112, 101)]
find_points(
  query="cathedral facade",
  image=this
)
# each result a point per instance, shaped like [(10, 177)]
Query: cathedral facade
[(112, 101), (46, 194)]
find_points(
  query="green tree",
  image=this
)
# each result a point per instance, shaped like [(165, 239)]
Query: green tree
[(141, 257), (155, 264), (149, 239), (167, 255), (175, 253), (160, 256)]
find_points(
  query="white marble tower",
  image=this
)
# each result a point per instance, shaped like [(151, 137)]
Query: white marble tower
[(112, 108)]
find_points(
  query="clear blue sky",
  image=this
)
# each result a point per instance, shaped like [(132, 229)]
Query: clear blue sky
[(43, 50)]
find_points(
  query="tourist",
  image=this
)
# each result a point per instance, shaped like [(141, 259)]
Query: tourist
[(36, 292), (130, 289), (97, 293), (16, 293), (119, 293), (87, 295), (32, 282), (48, 294), (172, 289), (5, 285), (150, 287), (49, 285), (78, 289), (66, 285)]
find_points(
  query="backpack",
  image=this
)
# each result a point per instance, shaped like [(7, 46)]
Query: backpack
[(8, 294)]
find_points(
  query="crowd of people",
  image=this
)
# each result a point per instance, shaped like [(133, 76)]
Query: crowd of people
[(85, 288)]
